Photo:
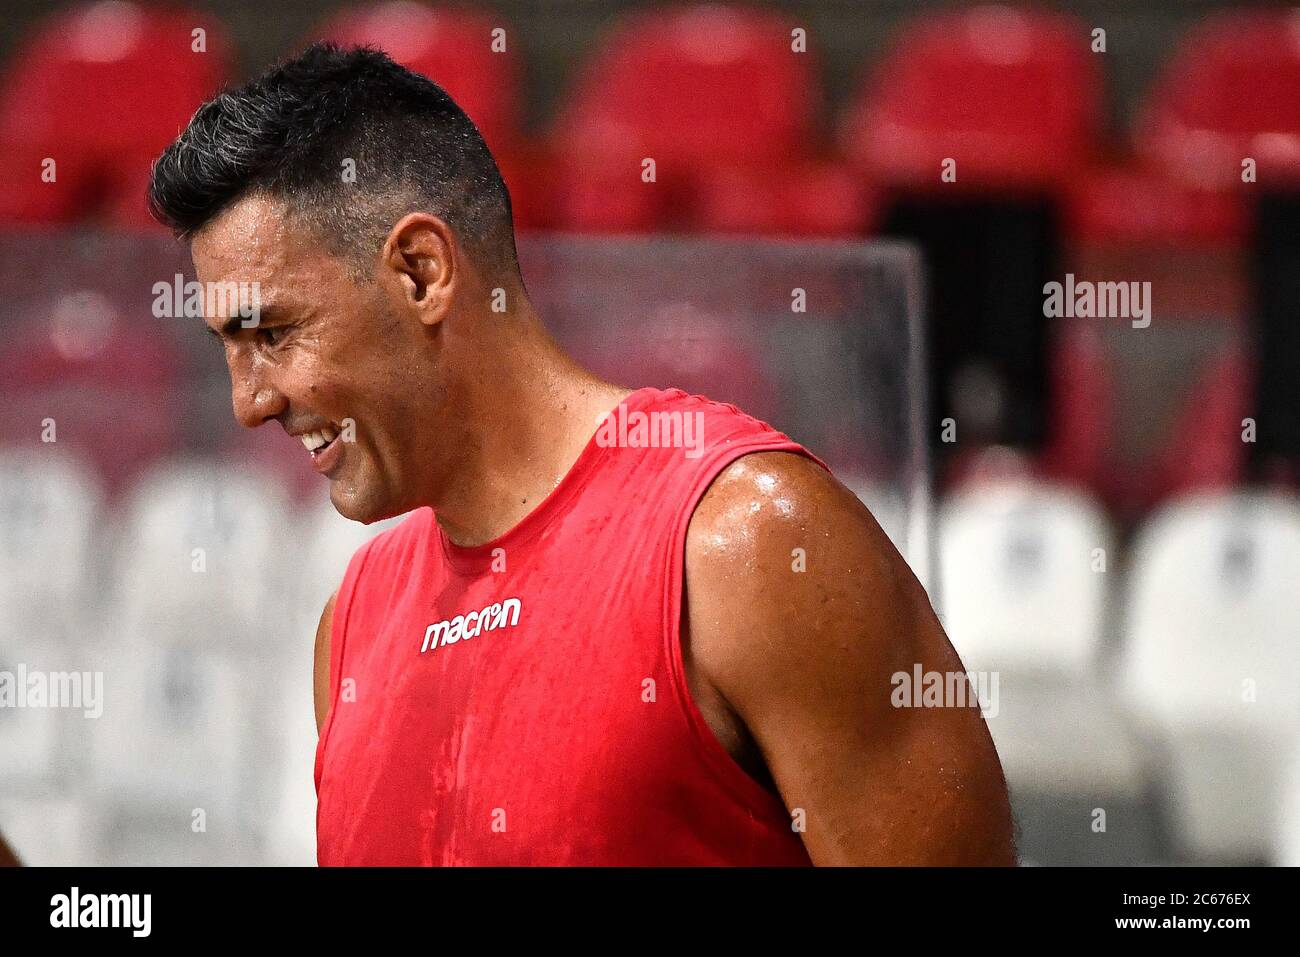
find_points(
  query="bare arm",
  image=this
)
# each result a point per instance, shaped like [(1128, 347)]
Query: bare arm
[(321, 667), (7, 857), (806, 659)]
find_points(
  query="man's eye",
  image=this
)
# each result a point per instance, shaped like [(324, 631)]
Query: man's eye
[(271, 335)]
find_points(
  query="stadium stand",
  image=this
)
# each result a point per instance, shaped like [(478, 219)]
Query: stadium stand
[(190, 535), (80, 373), (1228, 94), (719, 100), (1222, 116), (98, 91), (971, 125)]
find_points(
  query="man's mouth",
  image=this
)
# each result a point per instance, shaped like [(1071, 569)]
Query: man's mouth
[(317, 442)]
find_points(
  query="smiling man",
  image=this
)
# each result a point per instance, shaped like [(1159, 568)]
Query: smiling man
[(578, 648)]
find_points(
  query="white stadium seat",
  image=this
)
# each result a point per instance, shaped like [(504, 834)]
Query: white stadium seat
[(50, 510), (30, 737), (290, 831), (52, 829), (174, 727), (331, 541), (202, 555), (1286, 844), (209, 672), (1212, 655), (1021, 578), (1024, 576)]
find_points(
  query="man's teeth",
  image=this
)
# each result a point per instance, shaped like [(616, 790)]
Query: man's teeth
[(318, 440)]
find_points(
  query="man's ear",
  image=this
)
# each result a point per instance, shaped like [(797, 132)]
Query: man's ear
[(420, 256)]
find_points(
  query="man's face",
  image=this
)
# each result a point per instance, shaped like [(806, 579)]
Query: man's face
[(328, 358)]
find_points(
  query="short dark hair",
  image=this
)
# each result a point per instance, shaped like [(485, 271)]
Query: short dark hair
[(289, 133)]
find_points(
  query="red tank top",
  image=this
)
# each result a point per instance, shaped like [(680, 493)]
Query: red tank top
[(523, 702)]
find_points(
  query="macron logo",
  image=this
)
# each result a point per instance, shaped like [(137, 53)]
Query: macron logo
[(502, 614)]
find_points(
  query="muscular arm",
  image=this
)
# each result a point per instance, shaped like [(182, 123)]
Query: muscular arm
[(805, 660), (321, 668), (7, 857)]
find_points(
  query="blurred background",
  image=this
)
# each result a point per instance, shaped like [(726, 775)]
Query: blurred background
[(1104, 512)]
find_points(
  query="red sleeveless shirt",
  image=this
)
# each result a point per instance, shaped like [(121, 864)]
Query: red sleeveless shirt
[(523, 702)]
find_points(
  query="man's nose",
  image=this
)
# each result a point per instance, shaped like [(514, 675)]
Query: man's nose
[(253, 395)]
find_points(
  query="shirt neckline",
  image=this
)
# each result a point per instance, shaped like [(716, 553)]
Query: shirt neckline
[(467, 557)]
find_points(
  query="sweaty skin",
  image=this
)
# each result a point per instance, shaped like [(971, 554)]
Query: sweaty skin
[(479, 414), (799, 663)]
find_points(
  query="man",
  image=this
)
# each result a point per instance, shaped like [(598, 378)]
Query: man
[(577, 649)]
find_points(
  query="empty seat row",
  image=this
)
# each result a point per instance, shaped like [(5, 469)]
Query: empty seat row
[(1168, 695), (1151, 681), (724, 99)]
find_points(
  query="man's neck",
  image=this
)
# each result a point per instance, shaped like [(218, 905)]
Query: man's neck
[(530, 427)]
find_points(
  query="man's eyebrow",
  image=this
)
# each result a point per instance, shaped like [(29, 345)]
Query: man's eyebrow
[(233, 324)]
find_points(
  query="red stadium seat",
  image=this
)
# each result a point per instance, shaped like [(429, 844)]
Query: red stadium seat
[(698, 90), (1126, 206), (107, 384), (604, 198), (807, 199), (1013, 96), (1231, 92), (101, 90), (454, 48), (451, 47)]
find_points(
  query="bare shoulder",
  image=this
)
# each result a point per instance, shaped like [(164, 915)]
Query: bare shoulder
[(777, 488), (800, 614), (785, 480), (777, 538), (780, 517)]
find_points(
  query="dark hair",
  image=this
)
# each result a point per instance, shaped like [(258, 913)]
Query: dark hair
[(289, 133)]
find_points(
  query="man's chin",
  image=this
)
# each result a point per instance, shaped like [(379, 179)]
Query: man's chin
[(355, 506)]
